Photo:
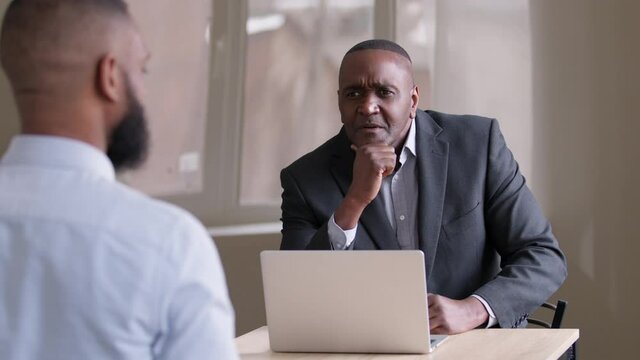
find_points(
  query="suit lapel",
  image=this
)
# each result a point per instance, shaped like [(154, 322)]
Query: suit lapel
[(373, 219), (433, 155)]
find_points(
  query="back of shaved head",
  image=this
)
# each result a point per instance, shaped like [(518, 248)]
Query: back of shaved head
[(52, 45)]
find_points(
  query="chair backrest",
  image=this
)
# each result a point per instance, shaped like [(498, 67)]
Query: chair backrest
[(558, 314)]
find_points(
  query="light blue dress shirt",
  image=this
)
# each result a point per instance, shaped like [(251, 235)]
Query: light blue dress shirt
[(91, 269)]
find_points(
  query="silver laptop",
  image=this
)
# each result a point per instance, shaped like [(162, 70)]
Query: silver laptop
[(347, 301)]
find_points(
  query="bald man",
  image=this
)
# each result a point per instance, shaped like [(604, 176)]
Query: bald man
[(90, 269), (397, 177)]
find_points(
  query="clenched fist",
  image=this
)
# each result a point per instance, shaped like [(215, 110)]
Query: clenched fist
[(373, 162), (449, 316)]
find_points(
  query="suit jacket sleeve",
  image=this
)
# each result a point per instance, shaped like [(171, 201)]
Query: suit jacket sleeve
[(532, 265), (301, 229)]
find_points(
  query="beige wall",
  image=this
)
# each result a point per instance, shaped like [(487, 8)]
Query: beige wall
[(241, 260), (586, 80), (586, 90)]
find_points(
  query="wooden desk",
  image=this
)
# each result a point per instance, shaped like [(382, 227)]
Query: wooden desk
[(521, 344)]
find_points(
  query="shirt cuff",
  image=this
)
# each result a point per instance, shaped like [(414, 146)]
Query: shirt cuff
[(492, 317), (340, 239)]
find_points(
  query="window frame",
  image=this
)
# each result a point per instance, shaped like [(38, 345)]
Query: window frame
[(218, 203)]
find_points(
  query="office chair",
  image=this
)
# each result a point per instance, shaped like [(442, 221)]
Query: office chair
[(556, 322), (558, 314)]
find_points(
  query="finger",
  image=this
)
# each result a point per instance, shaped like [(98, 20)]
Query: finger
[(375, 157), (383, 149), (387, 168), (435, 323), (432, 299), (434, 312), (354, 147), (384, 160), (433, 317), (387, 171), (439, 330), (379, 153), (377, 148)]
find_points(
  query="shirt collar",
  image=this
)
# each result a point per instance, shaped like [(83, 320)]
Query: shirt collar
[(58, 152), (409, 143)]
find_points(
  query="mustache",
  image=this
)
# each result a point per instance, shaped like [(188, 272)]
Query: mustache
[(373, 121)]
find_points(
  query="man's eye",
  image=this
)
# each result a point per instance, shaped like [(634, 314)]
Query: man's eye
[(385, 92), (352, 94)]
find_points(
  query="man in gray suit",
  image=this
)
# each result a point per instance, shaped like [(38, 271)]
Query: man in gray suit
[(397, 177)]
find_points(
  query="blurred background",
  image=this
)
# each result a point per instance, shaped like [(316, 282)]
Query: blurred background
[(239, 89)]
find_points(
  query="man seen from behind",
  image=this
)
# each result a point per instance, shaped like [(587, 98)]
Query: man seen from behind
[(89, 268)]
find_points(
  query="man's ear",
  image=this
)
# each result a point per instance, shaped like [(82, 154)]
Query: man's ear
[(107, 78), (415, 98)]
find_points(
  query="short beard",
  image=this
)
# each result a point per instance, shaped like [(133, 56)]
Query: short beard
[(129, 141)]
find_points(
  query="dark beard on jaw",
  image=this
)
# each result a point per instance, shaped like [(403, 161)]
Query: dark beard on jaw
[(129, 142)]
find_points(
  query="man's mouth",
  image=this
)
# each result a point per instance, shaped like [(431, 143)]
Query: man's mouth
[(370, 126)]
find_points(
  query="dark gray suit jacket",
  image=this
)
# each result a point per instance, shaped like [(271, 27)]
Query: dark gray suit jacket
[(479, 226)]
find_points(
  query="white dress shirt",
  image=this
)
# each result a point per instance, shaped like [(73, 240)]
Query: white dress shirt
[(91, 269), (399, 195)]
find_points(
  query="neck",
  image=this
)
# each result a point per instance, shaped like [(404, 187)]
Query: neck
[(403, 139), (62, 118)]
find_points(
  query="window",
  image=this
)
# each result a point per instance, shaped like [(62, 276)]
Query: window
[(177, 94), (483, 67), (237, 106), (293, 54), (268, 58), (416, 32)]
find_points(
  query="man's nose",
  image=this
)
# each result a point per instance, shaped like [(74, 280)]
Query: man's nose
[(369, 106)]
